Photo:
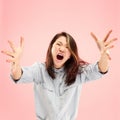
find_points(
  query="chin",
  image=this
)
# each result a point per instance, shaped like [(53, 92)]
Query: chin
[(59, 66)]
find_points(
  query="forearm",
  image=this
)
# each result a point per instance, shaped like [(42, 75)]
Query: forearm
[(103, 63), (16, 71)]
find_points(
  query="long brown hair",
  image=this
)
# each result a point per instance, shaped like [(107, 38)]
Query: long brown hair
[(71, 65)]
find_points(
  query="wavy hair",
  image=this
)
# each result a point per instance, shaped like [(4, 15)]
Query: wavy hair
[(72, 65)]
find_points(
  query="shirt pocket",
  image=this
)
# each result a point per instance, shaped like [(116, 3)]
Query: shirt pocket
[(69, 88), (47, 87)]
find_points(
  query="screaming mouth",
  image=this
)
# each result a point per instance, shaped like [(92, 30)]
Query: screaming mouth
[(59, 57)]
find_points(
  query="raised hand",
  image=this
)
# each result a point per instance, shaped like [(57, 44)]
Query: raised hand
[(105, 44), (15, 54)]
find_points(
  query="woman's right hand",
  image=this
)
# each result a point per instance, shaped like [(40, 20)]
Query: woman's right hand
[(16, 53), (15, 56)]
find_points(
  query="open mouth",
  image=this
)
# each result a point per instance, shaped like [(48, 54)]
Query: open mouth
[(60, 57)]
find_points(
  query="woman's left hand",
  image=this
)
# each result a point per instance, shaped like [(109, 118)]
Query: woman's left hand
[(105, 44)]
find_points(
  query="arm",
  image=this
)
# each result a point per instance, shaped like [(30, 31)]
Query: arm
[(16, 71), (103, 63), (14, 59), (104, 47)]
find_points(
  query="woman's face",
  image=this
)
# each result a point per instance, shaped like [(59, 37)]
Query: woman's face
[(60, 52)]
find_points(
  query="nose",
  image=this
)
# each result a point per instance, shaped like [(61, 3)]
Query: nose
[(62, 48)]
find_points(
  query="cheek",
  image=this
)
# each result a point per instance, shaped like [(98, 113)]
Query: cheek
[(68, 54), (53, 50)]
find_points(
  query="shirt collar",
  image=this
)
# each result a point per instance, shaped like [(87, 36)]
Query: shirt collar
[(57, 70)]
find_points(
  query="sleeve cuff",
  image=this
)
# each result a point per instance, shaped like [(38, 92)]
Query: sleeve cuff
[(103, 72), (16, 80)]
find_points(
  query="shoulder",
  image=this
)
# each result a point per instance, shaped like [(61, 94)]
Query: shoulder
[(34, 67), (38, 65)]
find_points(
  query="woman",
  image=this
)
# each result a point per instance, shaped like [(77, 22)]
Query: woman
[(58, 81)]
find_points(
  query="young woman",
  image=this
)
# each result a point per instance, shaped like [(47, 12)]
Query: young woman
[(58, 81)]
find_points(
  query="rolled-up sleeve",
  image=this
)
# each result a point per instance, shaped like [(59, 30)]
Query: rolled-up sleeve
[(90, 72), (29, 74)]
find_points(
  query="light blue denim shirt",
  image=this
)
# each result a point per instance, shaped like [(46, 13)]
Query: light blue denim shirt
[(53, 99)]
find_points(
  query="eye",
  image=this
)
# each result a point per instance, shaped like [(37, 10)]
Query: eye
[(58, 44)]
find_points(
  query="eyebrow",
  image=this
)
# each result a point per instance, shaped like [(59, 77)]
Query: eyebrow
[(62, 43)]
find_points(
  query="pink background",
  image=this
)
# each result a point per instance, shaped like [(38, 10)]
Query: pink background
[(38, 21)]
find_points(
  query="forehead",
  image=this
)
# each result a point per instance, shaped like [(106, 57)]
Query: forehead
[(62, 40)]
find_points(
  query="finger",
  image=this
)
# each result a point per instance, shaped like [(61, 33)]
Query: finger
[(108, 52), (21, 42), (10, 60), (108, 34), (108, 48), (111, 41), (95, 38), (12, 45), (109, 56), (8, 53)]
